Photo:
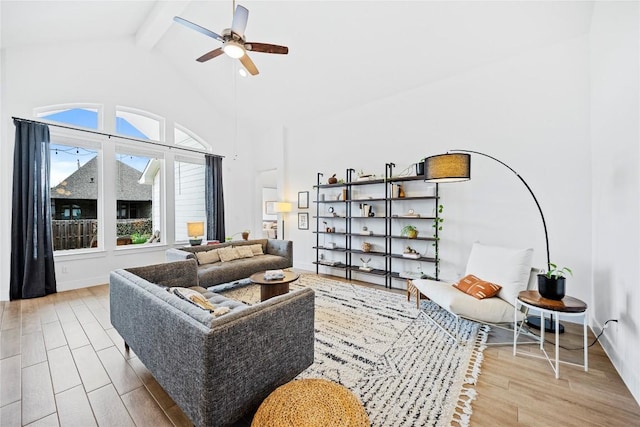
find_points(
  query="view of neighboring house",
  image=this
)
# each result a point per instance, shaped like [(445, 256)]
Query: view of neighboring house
[(76, 199)]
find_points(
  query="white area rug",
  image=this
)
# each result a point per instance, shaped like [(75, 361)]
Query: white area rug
[(404, 369)]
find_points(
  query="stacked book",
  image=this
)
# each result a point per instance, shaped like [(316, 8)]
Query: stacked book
[(273, 274)]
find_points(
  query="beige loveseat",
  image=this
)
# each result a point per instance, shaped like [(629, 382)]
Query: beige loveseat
[(212, 270)]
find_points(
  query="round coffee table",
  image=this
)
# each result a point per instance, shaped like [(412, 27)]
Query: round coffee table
[(273, 288)]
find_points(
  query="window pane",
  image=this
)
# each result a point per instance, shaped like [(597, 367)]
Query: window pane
[(183, 139), (137, 125), (84, 117), (74, 196), (189, 197), (136, 177)]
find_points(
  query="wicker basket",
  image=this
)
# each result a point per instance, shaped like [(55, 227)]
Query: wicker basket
[(311, 403)]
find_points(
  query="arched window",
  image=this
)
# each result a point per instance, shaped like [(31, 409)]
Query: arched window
[(139, 182)]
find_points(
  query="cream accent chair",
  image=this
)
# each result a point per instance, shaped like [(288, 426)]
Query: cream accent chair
[(509, 268)]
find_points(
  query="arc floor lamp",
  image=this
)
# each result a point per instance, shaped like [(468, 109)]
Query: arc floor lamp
[(455, 166)]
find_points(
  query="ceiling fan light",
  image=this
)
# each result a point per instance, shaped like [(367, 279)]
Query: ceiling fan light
[(233, 49)]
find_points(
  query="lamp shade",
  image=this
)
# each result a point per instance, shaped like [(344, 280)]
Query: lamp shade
[(282, 207), (450, 167), (195, 229)]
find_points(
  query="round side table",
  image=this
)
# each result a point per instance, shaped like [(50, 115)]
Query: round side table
[(567, 307)]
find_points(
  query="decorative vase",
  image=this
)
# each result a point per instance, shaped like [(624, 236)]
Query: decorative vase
[(412, 234), (245, 235), (333, 179), (420, 168), (551, 287)]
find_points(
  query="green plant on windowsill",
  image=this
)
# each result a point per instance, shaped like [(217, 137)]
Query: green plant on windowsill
[(410, 231), (137, 238)]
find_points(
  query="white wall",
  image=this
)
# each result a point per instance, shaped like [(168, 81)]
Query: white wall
[(110, 73), (615, 141), (530, 111)]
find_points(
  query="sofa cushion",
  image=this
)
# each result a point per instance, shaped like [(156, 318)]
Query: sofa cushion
[(244, 251), (208, 257), (489, 310), (228, 254), (257, 249), (199, 300), (477, 287), (506, 267)]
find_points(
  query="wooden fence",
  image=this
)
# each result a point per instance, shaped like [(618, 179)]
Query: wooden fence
[(82, 233), (73, 234)]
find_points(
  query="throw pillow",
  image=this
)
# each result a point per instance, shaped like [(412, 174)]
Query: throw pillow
[(256, 249), (244, 251), (476, 287), (228, 254), (197, 299), (510, 268), (208, 257)]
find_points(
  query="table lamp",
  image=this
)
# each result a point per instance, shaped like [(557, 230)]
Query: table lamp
[(194, 231)]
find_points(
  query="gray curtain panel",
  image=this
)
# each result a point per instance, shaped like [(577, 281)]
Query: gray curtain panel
[(214, 198), (32, 269)]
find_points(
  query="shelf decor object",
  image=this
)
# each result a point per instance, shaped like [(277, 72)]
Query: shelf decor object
[(195, 230), (455, 166)]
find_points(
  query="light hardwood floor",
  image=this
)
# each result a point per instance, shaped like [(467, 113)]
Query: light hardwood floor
[(62, 363)]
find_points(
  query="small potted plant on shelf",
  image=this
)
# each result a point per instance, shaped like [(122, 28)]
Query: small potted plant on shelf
[(410, 231), (551, 285)]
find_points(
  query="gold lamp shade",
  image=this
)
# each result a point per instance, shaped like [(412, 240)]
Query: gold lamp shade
[(195, 230), (283, 207), (450, 167)]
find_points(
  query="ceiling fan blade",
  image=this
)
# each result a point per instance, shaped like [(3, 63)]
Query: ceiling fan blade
[(266, 48), (198, 28), (249, 65), (210, 55), (239, 23)]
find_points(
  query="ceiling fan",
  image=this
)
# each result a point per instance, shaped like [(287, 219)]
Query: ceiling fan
[(233, 41)]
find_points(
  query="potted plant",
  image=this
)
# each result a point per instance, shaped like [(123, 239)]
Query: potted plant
[(410, 231), (551, 285)]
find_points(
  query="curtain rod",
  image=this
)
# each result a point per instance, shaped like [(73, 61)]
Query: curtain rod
[(109, 135)]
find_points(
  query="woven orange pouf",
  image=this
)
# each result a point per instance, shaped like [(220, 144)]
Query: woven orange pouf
[(311, 403)]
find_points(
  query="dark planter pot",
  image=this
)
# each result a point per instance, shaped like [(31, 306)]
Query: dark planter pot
[(420, 168), (551, 288)]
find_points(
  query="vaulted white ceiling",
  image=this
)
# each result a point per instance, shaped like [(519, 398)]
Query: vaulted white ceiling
[(342, 54)]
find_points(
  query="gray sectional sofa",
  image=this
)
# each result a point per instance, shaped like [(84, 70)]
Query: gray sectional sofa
[(215, 368), (278, 254)]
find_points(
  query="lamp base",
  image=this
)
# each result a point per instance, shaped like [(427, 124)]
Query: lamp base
[(549, 324), (195, 242)]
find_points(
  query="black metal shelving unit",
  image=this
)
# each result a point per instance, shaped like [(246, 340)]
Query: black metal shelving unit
[(346, 222)]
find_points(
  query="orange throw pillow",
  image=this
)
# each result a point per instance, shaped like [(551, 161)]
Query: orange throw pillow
[(477, 288)]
